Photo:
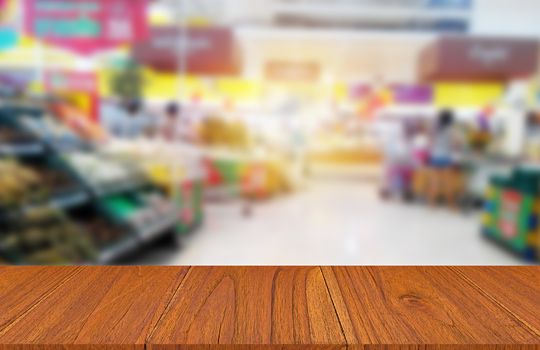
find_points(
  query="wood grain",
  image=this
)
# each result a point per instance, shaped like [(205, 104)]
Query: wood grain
[(289, 308), (250, 306), (419, 306), (112, 306), (18, 292), (516, 289)]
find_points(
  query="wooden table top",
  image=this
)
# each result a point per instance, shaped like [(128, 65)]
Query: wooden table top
[(266, 307)]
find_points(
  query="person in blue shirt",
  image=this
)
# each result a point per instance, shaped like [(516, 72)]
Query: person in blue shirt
[(128, 120)]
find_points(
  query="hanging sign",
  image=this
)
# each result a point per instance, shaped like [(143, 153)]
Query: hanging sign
[(479, 59), (207, 51), (86, 26)]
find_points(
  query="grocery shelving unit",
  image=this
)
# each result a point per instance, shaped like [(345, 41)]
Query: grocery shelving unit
[(93, 216), (176, 169)]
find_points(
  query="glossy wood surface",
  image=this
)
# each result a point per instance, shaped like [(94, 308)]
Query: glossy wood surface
[(269, 308)]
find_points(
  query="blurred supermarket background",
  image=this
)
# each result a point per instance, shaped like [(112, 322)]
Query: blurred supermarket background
[(285, 132)]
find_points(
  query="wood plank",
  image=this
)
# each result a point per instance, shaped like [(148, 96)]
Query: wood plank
[(288, 308), (273, 306), (23, 287), (113, 306), (517, 289), (419, 306)]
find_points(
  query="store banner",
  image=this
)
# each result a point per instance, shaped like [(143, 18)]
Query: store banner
[(467, 59), (206, 51), (86, 26), (412, 94)]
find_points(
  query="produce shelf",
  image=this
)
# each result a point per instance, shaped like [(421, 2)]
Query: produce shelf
[(117, 187), (157, 229), (22, 150), (70, 178), (118, 250)]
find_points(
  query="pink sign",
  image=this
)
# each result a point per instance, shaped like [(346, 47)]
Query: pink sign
[(208, 51), (87, 26)]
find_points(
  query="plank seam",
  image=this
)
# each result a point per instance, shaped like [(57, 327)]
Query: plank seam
[(8, 325), (166, 309), (495, 300), (335, 309)]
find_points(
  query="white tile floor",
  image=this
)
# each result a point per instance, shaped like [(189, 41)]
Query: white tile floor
[(335, 223)]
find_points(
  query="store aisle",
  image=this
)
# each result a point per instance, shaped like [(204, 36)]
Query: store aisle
[(335, 223)]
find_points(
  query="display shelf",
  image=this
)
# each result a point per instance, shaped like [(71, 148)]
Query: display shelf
[(109, 189), (71, 200), (66, 147), (61, 202), (114, 252), (529, 255), (157, 229), (22, 150), (175, 169), (511, 212), (41, 148)]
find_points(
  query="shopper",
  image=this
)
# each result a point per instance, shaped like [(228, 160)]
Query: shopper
[(420, 155), (169, 127), (397, 162), (446, 179), (129, 121)]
